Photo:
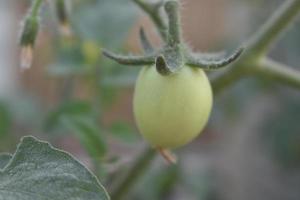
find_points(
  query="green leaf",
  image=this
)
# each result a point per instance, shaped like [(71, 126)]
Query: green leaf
[(124, 131), (38, 171), (78, 108), (4, 159), (88, 133), (79, 118)]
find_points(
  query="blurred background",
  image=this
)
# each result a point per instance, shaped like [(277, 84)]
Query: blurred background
[(82, 102)]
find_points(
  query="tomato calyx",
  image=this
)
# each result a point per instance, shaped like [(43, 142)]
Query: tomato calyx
[(173, 55)]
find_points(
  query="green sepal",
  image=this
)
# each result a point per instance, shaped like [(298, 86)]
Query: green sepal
[(29, 31)]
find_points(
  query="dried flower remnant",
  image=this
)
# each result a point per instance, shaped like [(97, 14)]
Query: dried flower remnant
[(63, 18), (29, 34), (27, 41), (26, 57), (65, 30)]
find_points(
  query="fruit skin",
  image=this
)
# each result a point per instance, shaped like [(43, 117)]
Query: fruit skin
[(170, 111)]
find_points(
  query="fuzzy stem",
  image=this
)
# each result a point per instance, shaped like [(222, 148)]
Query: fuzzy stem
[(153, 11), (172, 10), (280, 73), (36, 7), (134, 173), (258, 45), (273, 28), (130, 60)]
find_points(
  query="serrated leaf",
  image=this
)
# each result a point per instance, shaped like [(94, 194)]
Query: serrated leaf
[(4, 159), (88, 133), (38, 171)]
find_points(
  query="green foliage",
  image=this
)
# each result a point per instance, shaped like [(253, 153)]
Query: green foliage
[(88, 132), (124, 131), (70, 61), (39, 171), (69, 108), (78, 117)]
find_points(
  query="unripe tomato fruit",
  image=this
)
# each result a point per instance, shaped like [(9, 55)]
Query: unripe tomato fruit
[(172, 110)]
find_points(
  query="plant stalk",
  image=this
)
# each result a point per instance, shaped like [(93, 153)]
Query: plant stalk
[(172, 10), (153, 11), (274, 27), (278, 72), (258, 45), (142, 163)]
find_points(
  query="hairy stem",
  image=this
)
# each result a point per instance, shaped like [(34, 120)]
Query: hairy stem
[(273, 28), (172, 10), (134, 173), (153, 11)]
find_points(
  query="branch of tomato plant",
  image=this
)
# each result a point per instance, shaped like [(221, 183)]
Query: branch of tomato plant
[(275, 26), (273, 70), (252, 62), (138, 168), (153, 10)]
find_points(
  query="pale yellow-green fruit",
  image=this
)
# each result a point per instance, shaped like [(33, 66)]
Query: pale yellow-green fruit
[(170, 111)]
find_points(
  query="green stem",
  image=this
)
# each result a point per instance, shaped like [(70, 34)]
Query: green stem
[(134, 173), (274, 26), (36, 7), (258, 45), (278, 72), (172, 10), (153, 11)]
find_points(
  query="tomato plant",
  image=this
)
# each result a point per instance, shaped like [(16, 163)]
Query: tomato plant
[(172, 100)]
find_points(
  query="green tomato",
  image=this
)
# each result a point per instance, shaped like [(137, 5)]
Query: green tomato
[(172, 110)]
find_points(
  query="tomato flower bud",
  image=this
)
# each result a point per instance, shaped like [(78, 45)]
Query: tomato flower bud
[(27, 41), (63, 18)]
